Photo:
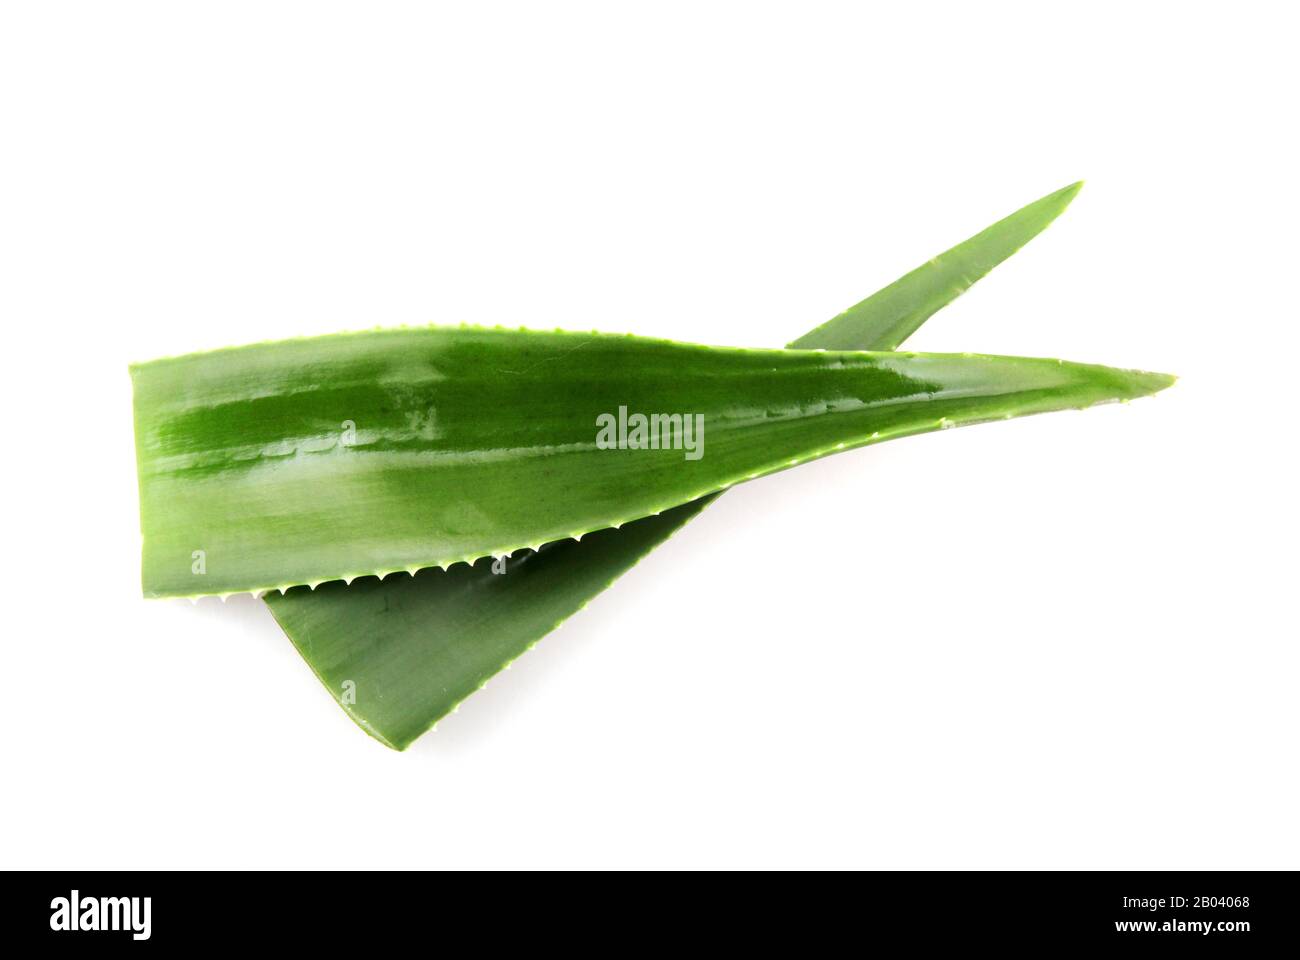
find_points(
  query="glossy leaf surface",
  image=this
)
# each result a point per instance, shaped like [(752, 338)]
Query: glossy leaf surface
[(473, 442)]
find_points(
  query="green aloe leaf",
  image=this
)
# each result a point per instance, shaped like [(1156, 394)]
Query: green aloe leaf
[(897, 311), (335, 457), (400, 653)]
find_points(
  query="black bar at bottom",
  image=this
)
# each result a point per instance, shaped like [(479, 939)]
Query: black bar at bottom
[(1231, 911)]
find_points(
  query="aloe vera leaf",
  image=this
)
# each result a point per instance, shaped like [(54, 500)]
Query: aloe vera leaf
[(472, 442), (400, 653), (900, 308)]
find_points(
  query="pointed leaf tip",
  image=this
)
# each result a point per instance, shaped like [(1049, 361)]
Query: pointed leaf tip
[(1058, 199), (890, 316), (1152, 383), (1072, 191)]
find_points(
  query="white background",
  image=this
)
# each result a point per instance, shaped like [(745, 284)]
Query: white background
[(1068, 641)]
